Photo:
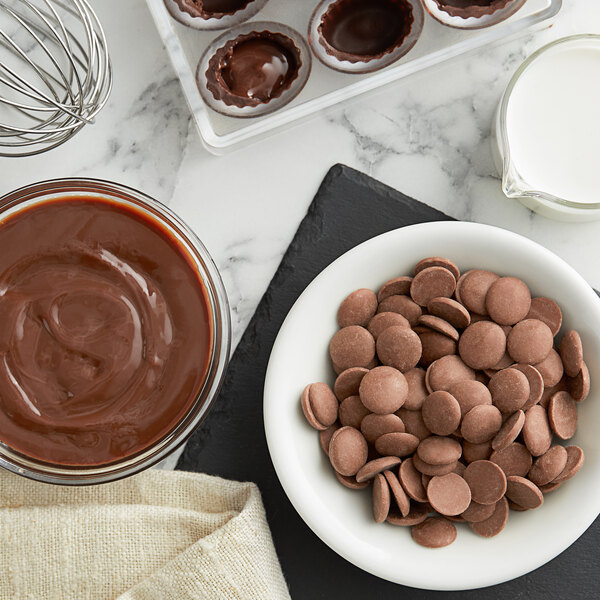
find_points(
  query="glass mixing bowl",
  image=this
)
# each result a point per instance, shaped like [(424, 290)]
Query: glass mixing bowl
[(217, 302)]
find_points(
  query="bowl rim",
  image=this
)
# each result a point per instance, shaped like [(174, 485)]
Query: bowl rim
[(218, 303), (289, 480)]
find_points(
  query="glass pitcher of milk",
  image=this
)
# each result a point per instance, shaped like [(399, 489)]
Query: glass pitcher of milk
[(547, 131)]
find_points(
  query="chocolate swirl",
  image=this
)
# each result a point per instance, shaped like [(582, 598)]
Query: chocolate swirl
[(89, 340)]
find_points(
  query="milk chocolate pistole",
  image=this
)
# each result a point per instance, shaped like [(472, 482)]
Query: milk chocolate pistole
[(105, 333)]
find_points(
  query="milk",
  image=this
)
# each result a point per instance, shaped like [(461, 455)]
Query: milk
[(552, 125)]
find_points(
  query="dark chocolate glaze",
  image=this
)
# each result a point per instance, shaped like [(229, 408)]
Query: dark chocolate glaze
[(253, 68), (359, 30), (471, 8), (212, 9), (258, 68), (105, 332), (221, 6)]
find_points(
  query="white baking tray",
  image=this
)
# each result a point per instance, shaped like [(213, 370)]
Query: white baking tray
[(325, 87)]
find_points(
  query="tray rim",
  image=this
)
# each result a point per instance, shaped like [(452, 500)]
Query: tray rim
[(286, 117)]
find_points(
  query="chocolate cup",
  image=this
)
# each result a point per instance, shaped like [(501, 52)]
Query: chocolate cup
[(220, 90), (466, 9), (337, 8), (196, 9)]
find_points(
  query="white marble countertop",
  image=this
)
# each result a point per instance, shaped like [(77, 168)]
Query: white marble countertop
[(427, 136)]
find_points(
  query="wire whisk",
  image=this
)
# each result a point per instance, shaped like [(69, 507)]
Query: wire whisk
[(55, 73)]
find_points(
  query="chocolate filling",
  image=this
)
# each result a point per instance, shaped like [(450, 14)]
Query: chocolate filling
[(212, 9), (105, 335), (253, 68), (360, 30), (471, 8)]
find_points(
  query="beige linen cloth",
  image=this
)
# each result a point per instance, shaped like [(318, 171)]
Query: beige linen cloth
[(159, 535)]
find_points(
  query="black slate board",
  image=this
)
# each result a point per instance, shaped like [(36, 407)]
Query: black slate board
[(348, 209)]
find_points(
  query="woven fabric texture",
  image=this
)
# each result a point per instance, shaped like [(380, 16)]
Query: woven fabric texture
[(156, 536)]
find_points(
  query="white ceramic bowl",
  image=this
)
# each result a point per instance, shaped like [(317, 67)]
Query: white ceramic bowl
[(342, 518)]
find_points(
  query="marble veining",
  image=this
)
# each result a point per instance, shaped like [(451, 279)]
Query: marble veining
[(427, 135)]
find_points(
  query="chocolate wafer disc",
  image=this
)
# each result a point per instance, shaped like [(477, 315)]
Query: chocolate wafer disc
[(451, 311), (510, 390), (449, 495), (439, 325), (473, 452), (508, 300), (536, 384), (410, 479), (434, 532), (432, 470), (417, 390), (549, 466), (319, 405), (398, 493), (546, 310), (579, 386), (486, 480), (575, 460), (437, 450), (529, 341), (352, 411), (347, 451), (481, 424), (399, 348), (476, 513), (515, 459), (348, 382), (469, 394), (413, 422), (437, 261), (432, 282), (441, 413), (373, 426), (397, 444), (402, 305), (473, 290), (381, 498), (378, 465), (383, 390), (551, 369), (494, 524), (482, 345), (446, 371), (357, 309), (571, 352), (536, 431), (524, 492), (381, 321), (399, 286), (418, 513), (562, 415), (326, 435), (434, 345), (352, 346), (351, 483), (509, 431)]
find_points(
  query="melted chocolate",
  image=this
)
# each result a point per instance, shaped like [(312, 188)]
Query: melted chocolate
[(366, 27), (211, 9), (222, 6), (253, 69), (258, 68), (105, 332), (471, 8)]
